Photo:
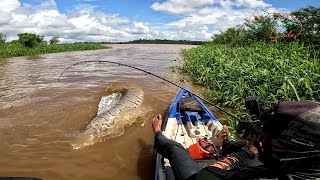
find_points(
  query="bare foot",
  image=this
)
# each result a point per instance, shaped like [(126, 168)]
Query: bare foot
[(156, 123)]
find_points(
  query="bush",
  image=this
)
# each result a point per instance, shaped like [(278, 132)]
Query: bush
[(3, 38), (30, 40), (54, 40), (17, 49), (274, 71), (259, 28), (252, 31), (310, 19)]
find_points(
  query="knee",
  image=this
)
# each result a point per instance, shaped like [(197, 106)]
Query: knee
[(175, 147)]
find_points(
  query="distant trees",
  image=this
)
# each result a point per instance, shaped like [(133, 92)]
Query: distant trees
[(164, 41), (231, 35), (54, 40), (276, 27), (257, 29), (310, 19), (3, 38), (261, 28), (30, 40)]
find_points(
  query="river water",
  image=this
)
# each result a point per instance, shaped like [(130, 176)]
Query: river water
[(39, 116)]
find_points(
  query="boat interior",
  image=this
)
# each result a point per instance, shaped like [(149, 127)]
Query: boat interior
[(191, 120), (188, 119)]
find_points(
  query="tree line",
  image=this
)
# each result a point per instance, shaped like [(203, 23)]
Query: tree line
[(165, 41), (158, 41), (29, 40), (302, 25)]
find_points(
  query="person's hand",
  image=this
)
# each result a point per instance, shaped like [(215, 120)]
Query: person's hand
[(254, 140), (222, 136), (157, 123)]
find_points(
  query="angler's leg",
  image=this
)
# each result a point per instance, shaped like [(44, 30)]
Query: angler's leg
[(183, 165)]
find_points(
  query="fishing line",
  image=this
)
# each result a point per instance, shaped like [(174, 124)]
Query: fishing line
[(150, 73)]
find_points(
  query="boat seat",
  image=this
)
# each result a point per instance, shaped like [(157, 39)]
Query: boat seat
[(189, 104), (191, 116)]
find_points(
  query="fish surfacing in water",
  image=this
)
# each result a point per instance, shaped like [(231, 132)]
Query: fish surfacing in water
[(111, 108), (114, 112)]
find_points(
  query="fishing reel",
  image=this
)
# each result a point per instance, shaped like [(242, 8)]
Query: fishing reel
[(245, 129), (253, 106), (259, 114)]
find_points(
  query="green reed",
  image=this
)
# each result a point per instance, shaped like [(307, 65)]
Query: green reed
[(14, 49), (273, 71)]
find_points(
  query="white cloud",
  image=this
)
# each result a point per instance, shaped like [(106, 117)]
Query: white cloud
[(252, 3), (8, 6), (84, 25), (184, 7), (180, 6), (203, 18), (5, 18), (198, 20), (140, 28)]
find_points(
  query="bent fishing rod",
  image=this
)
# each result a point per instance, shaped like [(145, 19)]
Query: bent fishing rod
[(152, 74)]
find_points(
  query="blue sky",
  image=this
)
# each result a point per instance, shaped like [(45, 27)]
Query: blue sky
[(140, 9), (293, 4), (124, 20)]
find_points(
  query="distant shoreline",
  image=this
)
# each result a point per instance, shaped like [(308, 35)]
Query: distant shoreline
[(170, 46), (12, 49), (8, 50), (159, 41)]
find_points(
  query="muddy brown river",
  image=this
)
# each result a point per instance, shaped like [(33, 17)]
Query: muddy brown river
[(39, 116)]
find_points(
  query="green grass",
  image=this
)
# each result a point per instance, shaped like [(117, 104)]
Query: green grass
[(273, 71), (16, 49)]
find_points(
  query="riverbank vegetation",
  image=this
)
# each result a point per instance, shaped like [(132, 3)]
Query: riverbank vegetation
[(245, 61), (31, 44)]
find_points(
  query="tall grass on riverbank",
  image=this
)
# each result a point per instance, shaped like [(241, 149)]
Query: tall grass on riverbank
[(16, 49), (273, 71)]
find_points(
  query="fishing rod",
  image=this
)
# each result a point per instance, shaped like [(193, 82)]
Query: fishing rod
[(150, 73)]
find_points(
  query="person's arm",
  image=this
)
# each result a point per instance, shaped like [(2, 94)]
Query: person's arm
[(227, 166), (229, 147)]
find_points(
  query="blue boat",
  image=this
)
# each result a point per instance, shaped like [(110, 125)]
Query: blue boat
[(187, 120)]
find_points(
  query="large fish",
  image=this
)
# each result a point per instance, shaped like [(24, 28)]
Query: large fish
[(114, 112), (113, 107)]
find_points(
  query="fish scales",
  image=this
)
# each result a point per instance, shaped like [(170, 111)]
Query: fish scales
[(128, 100)]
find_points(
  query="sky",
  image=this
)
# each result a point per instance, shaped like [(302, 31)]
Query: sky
[(126, 20)]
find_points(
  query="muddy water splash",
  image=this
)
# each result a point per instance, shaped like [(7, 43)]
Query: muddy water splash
[(39, 116), (115, 111)]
